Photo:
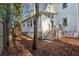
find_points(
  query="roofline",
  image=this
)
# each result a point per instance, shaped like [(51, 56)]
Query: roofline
[(45, 13), (28, 18)]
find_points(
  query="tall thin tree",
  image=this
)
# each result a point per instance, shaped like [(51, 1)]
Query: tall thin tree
[(5, 15), (34, 47)]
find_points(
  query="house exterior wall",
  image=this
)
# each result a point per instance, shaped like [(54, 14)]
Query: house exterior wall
[(28, 28), (43, 25), (52, 7), (46, 24), (78, 21), (71, 14), (46, 27)]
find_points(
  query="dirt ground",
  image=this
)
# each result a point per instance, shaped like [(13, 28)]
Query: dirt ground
[(60, 47)]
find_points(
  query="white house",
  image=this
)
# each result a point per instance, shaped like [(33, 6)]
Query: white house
[(68, 17), (44, 25), (64, 14)]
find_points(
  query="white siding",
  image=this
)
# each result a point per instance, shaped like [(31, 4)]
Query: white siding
[(70, 13), (43, 25)]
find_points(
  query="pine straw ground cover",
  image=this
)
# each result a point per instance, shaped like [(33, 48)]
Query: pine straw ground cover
[(23, 47)]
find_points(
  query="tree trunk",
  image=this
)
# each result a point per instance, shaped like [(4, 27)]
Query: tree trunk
[(6, 35), (34, 47)]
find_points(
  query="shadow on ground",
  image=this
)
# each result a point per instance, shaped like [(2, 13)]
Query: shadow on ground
[(45, 48)]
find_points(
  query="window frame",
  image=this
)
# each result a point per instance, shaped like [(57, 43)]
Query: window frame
[(64, 5), (24, 24), (65, 23), (31, 23), (27, 23)]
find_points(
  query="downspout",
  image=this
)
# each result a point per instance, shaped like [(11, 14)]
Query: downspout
[(77, 19)]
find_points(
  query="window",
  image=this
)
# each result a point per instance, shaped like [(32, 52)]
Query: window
[(64, 21), (52, 23), (64, 5), (30, 23), (23, 24), (52, 17)]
